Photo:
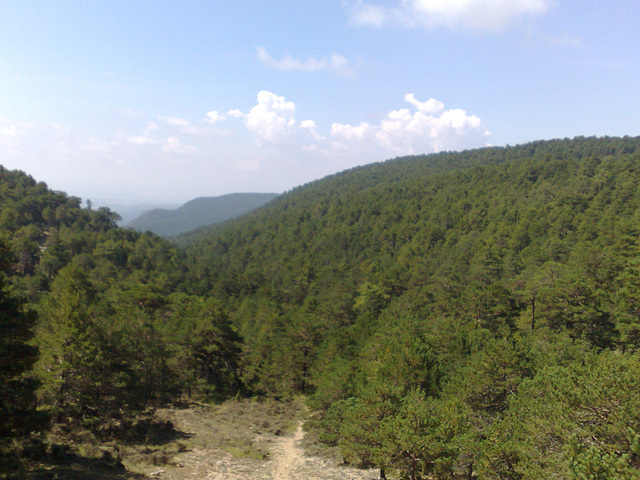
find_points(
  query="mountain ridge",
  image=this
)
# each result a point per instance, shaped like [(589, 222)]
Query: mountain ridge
[(199, 212)]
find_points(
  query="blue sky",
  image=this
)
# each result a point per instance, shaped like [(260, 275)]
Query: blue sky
[(165, 101)]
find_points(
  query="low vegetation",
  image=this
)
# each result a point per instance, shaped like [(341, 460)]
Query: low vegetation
[(156, 441)]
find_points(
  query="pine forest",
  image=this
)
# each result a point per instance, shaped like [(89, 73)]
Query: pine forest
[(470, 315)]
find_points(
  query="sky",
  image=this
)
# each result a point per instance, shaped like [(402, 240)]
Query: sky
[(131, 101)]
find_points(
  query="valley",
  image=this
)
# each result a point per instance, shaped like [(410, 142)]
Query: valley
[(455, 315)]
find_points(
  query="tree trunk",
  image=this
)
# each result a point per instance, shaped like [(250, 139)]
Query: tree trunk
[(412, 474), (533, 313)]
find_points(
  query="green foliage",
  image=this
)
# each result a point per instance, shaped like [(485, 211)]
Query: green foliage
[(114, 334), (627, 303), (469, 314), (17, 356), (424, 436), (581, 418), (592, 463), (509, 261)]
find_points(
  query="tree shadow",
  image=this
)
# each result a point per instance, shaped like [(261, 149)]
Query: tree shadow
[(73, 456), (58, 462), (147, 431)]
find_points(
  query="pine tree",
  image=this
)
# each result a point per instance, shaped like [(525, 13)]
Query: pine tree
[(17, 356)]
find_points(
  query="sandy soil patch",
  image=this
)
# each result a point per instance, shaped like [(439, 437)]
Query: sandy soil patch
[(269, 455)]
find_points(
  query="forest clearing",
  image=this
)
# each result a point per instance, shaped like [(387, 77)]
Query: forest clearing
[(271, 447), (237, 440)]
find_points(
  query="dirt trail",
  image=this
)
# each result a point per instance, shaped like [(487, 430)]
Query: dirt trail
[(204, 460), (288, 456), (291, 463)]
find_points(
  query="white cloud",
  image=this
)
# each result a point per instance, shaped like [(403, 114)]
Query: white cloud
[(429, 127), (401, 132), (164, 159), (430, 106), (365, 14), (235, 113), (349, 132), (11, 131), (10, 140), (214, 116), (479, 15), (174, 145), (273, 121), (311, 127), (334, 63), (273, 118)]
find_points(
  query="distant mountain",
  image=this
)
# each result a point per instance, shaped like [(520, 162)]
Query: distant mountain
[(129, 212), (198, 212)]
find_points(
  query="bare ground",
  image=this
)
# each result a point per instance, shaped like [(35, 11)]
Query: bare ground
[(211, 451)]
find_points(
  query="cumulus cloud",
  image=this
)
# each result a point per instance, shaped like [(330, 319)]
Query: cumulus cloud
[(334, 63), (214, 116), (430, 106), (273, 118), (479, 15), (402, 132), (311, 127), (273, 121), (424, 128), (235, 113), (10, 140), (286, 151)]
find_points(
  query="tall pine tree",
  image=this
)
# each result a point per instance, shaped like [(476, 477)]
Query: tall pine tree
[(17, 356)]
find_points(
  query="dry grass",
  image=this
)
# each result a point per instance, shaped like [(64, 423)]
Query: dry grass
[(236, 440), (241, 428)]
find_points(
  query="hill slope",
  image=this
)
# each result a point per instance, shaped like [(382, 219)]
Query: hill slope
[(405, 209), (199, 212), (93, 327), (432, 304)]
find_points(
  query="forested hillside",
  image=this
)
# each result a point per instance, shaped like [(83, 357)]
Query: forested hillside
[(94, 326), (469, 313), (459, 315), (199, 212)]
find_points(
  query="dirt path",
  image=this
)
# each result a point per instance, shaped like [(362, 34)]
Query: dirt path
[(291, 463), (288, 456), (201, 456)]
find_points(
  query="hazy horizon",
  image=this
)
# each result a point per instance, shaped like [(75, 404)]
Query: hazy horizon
[(163, 103)]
